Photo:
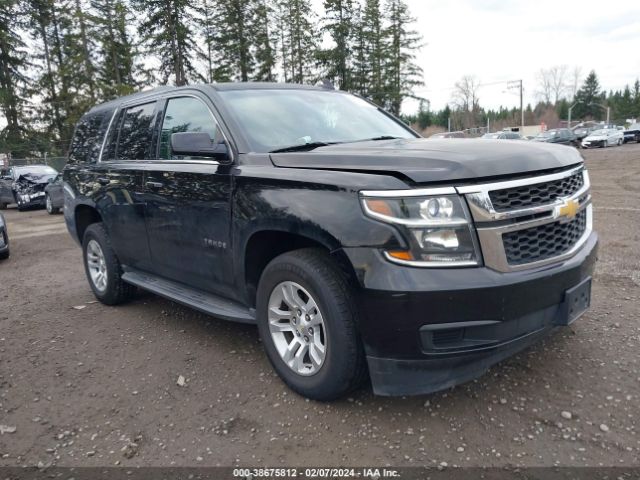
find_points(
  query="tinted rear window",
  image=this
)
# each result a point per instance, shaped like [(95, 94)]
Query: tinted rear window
[(87, 138), (134, 140)]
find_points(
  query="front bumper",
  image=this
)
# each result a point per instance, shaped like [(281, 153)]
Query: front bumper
[(36, 199), (425, 330), (593, 144)]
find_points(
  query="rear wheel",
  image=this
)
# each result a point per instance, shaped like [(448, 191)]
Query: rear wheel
[(3, 206), (307, 320), (51, 210), (103, 268)]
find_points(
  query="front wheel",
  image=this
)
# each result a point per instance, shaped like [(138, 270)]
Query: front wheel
[(620, 142), (308, 323), (103, 268)]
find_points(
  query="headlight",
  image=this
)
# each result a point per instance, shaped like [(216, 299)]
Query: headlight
[(437, 229)]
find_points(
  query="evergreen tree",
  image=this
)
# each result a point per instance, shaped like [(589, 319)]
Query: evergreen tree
[(339, 25), (264, 40), (47, 81), (401, 71), (78, 35), (117, 69), (168, 33), (13, 79), (234, 20), (588, 98), (371, 64), (299, 41), (209, 34)]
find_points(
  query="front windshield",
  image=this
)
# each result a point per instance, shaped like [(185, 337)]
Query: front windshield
[(274, 119), (36, 169)]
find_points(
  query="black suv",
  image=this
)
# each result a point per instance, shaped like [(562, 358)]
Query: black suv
[(357, 247)]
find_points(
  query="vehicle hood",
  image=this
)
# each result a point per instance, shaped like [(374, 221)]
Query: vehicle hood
[(36, 178), (596, 138), (428, 160)]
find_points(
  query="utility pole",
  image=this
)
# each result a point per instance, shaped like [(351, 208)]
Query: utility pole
[(518, 84), (569, 119)]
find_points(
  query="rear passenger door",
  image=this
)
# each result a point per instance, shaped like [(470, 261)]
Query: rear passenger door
[(188, 202), (120, 176)]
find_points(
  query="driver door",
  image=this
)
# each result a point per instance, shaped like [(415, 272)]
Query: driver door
[(187, 203)]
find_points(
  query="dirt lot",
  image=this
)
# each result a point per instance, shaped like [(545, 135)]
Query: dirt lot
[(97, 385)]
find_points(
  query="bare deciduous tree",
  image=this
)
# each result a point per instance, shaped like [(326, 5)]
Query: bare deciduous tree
[(465, 93), (553, 84), (576, 77)]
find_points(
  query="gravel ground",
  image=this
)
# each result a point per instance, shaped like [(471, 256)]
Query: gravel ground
[(86, 384)]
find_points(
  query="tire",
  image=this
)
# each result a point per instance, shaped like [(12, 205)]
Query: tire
[(343, 367), (3, 206), (114, 290), (51, 210), (620, 142)]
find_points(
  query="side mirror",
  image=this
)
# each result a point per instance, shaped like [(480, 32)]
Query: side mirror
[(198, 144)]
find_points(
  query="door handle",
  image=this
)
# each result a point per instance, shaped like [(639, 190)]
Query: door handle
[(103, 181), (154, 185)]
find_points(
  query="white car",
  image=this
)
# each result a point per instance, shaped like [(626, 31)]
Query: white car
[(604, 137)]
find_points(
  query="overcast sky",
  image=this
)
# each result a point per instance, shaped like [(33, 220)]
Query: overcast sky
[(500, 40)]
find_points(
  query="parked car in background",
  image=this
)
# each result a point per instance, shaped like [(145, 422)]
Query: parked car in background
[(4, 239), (632, 134), (584, 129), (503, 136), (604, 137), (562, 136), (24, 185), (448, 135), (54, 195)]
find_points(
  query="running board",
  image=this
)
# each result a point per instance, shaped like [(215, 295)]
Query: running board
[(205, 302)]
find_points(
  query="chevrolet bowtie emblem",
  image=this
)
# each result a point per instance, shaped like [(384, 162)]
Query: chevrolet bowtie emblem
[(569, 209)]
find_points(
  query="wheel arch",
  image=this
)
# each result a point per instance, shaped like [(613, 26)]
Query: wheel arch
[(85, 215), (264, 245)]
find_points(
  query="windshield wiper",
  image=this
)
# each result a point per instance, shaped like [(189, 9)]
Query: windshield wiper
[(303, 147), (381, 137)]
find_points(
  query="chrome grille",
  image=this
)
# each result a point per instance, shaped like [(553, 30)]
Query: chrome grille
[(544, 241), (535, 194), (531, 222)]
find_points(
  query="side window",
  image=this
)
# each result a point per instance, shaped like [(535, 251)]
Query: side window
[(185, 114), (134, 139), (87, 138)]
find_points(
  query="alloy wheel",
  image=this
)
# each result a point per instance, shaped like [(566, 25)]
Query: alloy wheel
[(297, 328), (97, 265)]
